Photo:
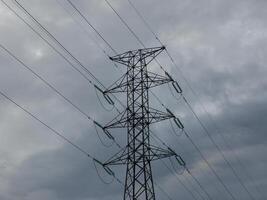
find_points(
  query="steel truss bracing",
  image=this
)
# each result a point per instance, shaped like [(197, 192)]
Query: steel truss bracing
[(137, 117)]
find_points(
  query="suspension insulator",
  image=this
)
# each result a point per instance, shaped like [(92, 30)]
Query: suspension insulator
[(105, 95), (108, 170), (177, 87), (172, 151), (178, 123), (107, 133), (180, 160), (105, 167), (175, 119), (108, 99)]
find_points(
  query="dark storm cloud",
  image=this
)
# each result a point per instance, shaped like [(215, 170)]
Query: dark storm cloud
[(220, 47)]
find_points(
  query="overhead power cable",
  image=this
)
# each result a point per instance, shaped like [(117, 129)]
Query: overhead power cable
[(45, 82), (180, 181), (199, 184), (78, 61), (187, 82), (55, 132), (124, 22), (193, 187), (54, 88), (232, 150), (47, 126), (57, 42), (60, 94), (214, 143), (203, 157), (163, 191), (86, 31), (67, 51), (219, 149), (91, 25), (47, 42), (187, 170), (209, 165), (58, 52), (227, 162), (132, 32)]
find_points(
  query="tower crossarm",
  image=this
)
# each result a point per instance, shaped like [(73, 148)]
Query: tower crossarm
[(123, 121), (152, 153), (153, 80), (149, 54)]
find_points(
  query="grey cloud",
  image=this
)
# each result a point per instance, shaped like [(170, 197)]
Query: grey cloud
[(220, 47)]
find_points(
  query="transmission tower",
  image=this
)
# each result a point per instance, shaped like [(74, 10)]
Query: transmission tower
[(137, 117)]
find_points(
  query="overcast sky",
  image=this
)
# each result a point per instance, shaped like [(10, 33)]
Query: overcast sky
[(220, 47)]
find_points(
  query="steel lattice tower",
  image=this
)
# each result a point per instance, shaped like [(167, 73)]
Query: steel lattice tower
[(137, 117)]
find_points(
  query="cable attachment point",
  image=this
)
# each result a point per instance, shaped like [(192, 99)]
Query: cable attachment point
[(105, 95), (170, 112), (177, 157), (107, 133), (108, 170), (176, 119), (105, 167), (174, 153), (175, 84), (169, 76)]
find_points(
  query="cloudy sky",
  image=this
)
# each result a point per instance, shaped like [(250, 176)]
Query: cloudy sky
[(220, 47)]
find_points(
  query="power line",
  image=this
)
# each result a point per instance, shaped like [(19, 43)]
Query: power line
[(85, 31), (55, 132), (172, 60), (92, 74), (38, 76), (133, 33), (67, 51), (57, 91), (125, 23), (213, 170), (199, 184), (104, 38), (128, 27), (218, 149), (47, 84), (180, 181), (47, 126), (193, 186), (164, 192), (194, 178), (157, 38), (51, 88), (91, 25), (229, 147), (57, 41), (47, 42), (210, 166)]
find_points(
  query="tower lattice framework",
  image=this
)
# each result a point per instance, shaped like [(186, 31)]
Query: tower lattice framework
[(137, 117)]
